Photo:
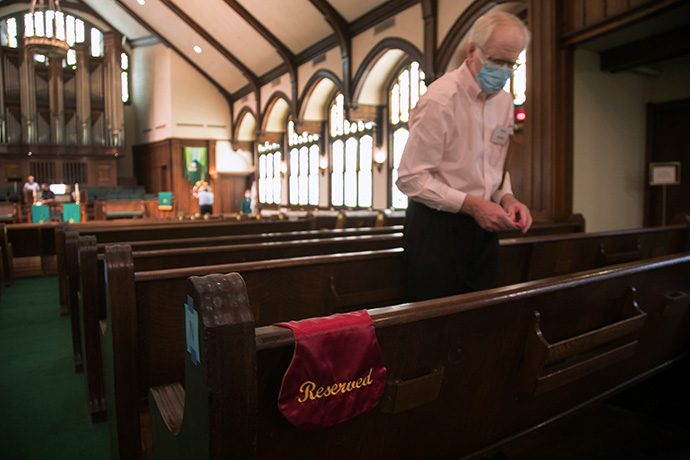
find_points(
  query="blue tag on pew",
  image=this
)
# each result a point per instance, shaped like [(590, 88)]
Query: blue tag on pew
[(192, 328)]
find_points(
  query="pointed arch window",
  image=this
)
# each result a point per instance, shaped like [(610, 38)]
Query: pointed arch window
[(403, 96), (304, 155), (352, 147), (270, 167)]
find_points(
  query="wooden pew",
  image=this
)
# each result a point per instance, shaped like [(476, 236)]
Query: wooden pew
[(7, 254), (142, 334), (274, 294), (465, 375), (115, 232), (170, 253)]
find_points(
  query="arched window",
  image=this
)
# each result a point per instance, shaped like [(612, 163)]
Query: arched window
[(403, 96), (304, 167), (352, 146), (270, 164)]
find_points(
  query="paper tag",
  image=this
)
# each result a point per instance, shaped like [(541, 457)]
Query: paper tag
[(500, 135), (192, 330)]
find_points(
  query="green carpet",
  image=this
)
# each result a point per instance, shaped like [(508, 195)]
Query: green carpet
[(43, 408)]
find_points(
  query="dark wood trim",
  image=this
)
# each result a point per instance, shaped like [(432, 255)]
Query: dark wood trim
[(246, 71), (616, 22), (316, 49), (430, 15), (315, 78), (341, 29), (667, 45), (384, 45), (155, 33), (284, 52), (548, 132), (456, 33), (240, 115), (380, 14), (269, 105)]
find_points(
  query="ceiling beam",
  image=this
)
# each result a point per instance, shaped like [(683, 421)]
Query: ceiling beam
[(667, 45), (284, 52), (246, 71), (341, 29), (155, 33)]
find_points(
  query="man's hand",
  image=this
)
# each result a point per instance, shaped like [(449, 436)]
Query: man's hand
[(490, 216), (517, 212)]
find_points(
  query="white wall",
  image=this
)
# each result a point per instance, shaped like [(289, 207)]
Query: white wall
[(151, 92), (609, 138)]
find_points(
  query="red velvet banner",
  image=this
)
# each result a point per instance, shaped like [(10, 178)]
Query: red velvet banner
[(336, 373)]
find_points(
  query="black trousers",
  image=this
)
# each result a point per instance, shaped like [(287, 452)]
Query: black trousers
[(206, 209), (447, 254)]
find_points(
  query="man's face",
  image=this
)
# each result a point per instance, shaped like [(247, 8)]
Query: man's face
[(504, 46)]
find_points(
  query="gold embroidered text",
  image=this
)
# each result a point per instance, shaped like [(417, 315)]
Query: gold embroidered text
[(310, 392)]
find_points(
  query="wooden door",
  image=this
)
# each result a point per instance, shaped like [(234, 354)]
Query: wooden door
[(668, 141)]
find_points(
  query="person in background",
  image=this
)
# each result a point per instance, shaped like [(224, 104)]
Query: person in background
[(46, 196), (452, 168), (205, 201), (30, 185), (246, 204)]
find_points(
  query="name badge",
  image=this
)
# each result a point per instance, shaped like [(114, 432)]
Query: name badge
[(500, 135)]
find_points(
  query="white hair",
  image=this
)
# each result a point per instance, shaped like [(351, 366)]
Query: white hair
[(485, 25)]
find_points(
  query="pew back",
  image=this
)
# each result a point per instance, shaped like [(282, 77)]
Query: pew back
[(465, 374)]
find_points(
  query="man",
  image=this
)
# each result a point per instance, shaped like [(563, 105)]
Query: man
[(30, 185), (47, 196), (205, 201), (452, 168)]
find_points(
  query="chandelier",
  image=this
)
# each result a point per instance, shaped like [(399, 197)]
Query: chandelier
[(44, 30)]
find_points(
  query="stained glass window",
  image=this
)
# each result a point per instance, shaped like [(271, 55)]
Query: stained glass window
[(403, 96), (352, 153), (270, 166), (304, 160)]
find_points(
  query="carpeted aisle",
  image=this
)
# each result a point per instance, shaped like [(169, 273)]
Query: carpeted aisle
[(43, 409)]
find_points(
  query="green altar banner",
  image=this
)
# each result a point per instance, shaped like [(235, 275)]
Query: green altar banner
[(165, 201), (195, 164), (71, 212), (40, 214)]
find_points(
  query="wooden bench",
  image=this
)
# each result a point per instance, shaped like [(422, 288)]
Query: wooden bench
[(465, 374), (150, 230), (104, 210), (283, 300), (170, 253), (7, 255)]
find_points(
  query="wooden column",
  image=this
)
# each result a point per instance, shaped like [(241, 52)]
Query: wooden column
[(548, 133)]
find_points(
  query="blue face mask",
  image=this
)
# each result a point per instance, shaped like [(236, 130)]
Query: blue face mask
[(493, 77)]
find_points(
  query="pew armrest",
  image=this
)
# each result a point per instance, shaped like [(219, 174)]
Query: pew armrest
[(549, 366), (607, 258), (170, 402)]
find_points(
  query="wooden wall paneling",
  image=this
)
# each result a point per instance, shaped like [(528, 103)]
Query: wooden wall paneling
[(595, 11), (548, 137), (616, 7)]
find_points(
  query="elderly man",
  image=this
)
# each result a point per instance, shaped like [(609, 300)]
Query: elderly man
[(452, 168)]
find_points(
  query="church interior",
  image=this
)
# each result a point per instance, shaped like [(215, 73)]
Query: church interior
[(294, 116)]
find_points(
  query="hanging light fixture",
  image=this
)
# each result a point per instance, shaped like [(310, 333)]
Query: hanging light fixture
[(44, 29)]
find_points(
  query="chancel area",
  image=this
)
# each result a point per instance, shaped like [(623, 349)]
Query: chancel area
[(187, 189)]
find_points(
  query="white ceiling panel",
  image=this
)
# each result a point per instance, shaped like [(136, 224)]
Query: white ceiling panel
[(233, 33), (118, 18), (353, 9), (176, 32), (295, 22)]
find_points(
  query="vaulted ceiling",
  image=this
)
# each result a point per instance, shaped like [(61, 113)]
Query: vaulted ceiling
[(243, 44)]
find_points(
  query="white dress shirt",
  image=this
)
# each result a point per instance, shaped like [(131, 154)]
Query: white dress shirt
[(453, 150)]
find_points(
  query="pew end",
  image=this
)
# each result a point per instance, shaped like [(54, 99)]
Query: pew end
[(183, 418)]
